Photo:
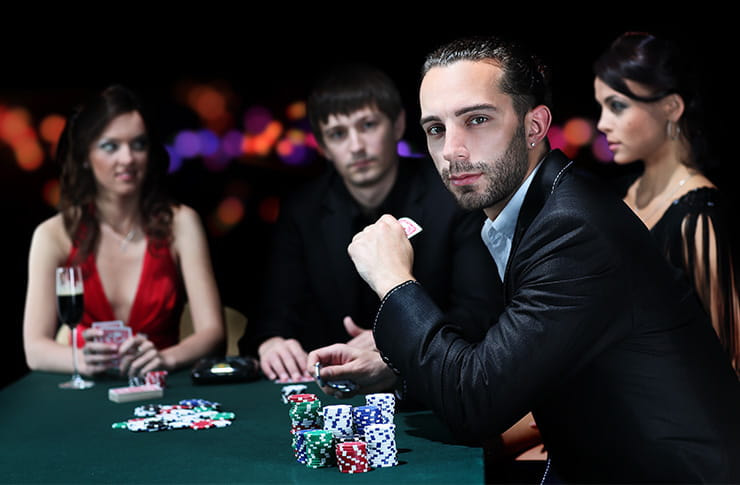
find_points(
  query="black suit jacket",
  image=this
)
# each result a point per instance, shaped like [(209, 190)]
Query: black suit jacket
[(312, 283), (610, 350)]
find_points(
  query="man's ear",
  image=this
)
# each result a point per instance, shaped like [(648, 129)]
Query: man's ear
[(537, 123)]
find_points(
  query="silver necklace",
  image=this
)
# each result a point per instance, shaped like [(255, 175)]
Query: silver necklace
[(681, 183), (129, 237), (123, 240)]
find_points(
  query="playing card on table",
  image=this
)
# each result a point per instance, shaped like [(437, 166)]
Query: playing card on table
[(410, 226)]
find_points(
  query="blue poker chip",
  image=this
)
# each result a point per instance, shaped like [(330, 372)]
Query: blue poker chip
[(198, 402)]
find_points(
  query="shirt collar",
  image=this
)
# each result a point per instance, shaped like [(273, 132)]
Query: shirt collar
[(498, 234)]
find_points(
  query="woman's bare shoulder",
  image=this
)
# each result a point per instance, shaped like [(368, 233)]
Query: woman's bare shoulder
[(51, 236), (53, 227)]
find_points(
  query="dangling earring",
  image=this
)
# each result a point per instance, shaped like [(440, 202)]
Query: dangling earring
[(672, 133)]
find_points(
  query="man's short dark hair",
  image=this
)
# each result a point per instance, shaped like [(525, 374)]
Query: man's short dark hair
[(348, 88), (525, 79)]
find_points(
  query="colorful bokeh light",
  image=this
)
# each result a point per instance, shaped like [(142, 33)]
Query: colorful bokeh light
[(51, 127), (16, 130), (50, 192), (578, 131), (600, 149), (187, 144), (256, 119), (230, 211), (296, 111), (175, 159)]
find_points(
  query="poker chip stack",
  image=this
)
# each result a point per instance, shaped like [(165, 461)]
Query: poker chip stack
[(338, 420), (356, 440), (386, 402), (352, 457), (319, 447), (299, 445), (305, 412), (365, 415), (381, 445)]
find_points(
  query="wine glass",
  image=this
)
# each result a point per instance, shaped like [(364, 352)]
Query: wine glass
[(70, 308)]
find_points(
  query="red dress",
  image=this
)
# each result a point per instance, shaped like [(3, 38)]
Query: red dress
[(157, 305)]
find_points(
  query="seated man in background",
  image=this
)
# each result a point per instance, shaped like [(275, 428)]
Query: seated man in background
[(313, 296)]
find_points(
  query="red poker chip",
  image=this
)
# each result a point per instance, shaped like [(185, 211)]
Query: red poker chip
[(352, 457), (302, 398), (203, 424)]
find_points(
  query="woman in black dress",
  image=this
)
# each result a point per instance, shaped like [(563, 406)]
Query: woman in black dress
[(650, 112)]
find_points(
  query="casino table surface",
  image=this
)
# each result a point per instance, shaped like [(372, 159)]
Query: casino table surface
[(51, 435)]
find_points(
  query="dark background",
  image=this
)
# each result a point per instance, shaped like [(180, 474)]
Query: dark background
[(263, 59)]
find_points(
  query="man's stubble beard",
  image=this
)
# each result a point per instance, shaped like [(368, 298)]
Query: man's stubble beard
[(502, 177)]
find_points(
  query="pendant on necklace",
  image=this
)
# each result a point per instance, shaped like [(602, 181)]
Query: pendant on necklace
[(129, 237), (667, 198)]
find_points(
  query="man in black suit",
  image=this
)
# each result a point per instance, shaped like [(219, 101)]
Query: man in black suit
[(610, 351), (313, 296)]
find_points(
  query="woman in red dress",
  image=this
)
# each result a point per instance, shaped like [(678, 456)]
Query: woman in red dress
[(141, 254)]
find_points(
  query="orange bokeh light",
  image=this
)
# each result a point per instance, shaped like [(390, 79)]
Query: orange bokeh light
[(578, 132), (273, 130), (284, 147), (248, 145), (296, 111), (297, 137), (230, 211), (15, 124), (50, 192), (51, 128), (209, 103), (261, 144), (28, 154)]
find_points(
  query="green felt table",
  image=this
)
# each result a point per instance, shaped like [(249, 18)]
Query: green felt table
[(51, 435)]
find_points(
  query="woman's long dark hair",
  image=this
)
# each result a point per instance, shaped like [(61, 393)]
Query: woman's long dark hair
[(658, 64), (77, 186)]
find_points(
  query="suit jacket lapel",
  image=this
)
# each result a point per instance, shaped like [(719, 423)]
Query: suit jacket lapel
[(544, 182)]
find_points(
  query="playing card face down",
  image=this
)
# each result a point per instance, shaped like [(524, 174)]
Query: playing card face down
[(114, 332), (110, 324)]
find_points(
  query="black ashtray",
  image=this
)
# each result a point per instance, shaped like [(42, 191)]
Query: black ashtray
[(219, 370)]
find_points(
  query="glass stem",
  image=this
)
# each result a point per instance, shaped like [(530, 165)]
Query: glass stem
[(76, 375)]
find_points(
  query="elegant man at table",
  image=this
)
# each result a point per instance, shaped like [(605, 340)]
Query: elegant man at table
[(613, 354), (312, 295)]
